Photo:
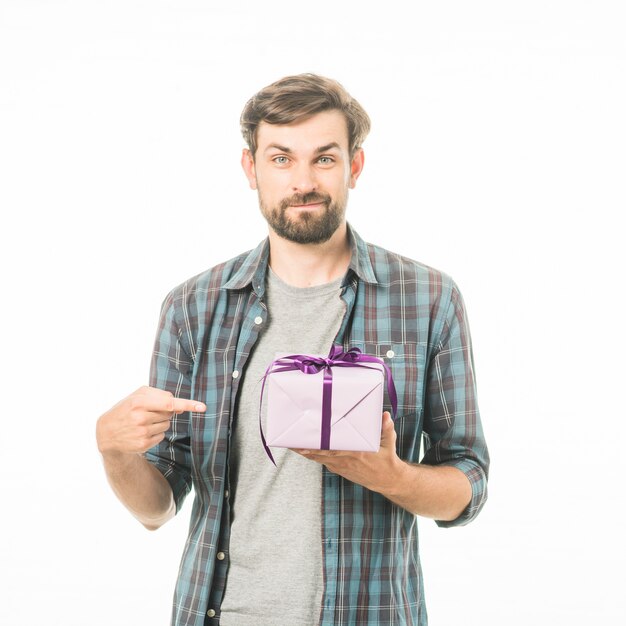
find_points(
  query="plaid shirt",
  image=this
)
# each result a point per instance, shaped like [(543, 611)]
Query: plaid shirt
[(405, 312)]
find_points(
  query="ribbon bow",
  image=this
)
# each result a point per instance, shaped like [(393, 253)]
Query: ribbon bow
[(307, 364)]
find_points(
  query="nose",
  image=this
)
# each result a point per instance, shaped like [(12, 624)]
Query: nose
[(304, 179)]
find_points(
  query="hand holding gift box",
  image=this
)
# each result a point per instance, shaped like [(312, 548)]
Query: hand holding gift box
[(331, 403)]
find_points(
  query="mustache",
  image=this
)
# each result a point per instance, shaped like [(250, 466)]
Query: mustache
[(305, 198)]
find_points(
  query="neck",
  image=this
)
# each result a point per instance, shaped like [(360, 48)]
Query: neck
[(308, 265)]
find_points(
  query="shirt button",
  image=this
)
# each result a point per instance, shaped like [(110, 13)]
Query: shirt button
[(221, 556), (211, 613), (390, 354), (236, 374), (226, 494), (258, 320)]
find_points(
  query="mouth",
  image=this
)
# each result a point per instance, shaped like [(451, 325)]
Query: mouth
[(308, 207)]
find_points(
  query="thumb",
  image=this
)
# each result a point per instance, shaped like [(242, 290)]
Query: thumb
[(387, 430)]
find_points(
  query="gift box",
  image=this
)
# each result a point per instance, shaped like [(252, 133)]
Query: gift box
[(326, 403)]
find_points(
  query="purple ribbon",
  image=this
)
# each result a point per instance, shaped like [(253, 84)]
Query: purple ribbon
[(312, 365)]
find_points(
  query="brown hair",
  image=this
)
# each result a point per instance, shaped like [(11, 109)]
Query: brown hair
[(296, 98)]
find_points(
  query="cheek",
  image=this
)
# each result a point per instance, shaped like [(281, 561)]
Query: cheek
[(273, 184), (344, 181)]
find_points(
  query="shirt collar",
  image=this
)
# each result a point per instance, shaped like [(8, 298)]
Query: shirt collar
[(252, 270), (360, 262), (254, 267)]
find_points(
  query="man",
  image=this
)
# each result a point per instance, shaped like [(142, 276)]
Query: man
[(326, 537)]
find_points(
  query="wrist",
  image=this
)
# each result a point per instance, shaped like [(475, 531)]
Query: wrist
[(396, 478)]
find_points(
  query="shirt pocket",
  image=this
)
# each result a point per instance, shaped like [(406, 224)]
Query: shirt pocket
[(407, 363)]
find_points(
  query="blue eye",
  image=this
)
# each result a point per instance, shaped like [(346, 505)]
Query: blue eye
[(325, 160), (281, 160)]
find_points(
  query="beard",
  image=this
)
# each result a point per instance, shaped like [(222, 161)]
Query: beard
[(308, 226)]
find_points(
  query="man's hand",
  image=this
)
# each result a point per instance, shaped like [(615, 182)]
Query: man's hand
[(439, 492), (375, 470), (139, 421)]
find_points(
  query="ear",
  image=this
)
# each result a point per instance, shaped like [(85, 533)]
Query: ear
[(356, 166), (247, 163)]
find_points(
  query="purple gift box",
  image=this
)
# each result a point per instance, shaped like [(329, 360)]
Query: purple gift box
[(326, 403)]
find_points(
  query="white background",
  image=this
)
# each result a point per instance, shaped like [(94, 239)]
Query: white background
[(497, 154)]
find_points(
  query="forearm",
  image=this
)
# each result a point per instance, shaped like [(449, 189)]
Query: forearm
[(440, 492), (126, 431), (140, 487)]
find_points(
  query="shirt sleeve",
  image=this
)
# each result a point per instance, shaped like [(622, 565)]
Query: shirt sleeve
[(453, 433), (170, 370)]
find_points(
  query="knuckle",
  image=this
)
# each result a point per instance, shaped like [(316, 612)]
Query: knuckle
[(143, 433), (169, 401), (135, 402), (153, 441), (141, 392), (137, 414)]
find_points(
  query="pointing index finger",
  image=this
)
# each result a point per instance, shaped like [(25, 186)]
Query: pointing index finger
[(180, 405)]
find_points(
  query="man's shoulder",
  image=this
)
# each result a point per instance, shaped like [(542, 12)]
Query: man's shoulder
[(218, 275), (209, 283), (395, 269)]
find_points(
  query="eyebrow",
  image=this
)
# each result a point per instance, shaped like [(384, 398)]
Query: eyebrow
[(328, 147), (275, 146), (286, 150)]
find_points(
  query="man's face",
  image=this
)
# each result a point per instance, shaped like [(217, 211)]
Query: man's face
[(302, 173)]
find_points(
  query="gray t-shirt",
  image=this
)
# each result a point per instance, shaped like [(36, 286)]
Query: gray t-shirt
[(275, 574)]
